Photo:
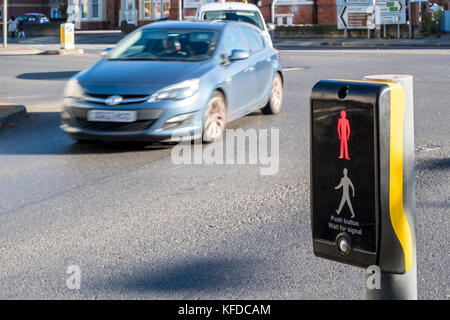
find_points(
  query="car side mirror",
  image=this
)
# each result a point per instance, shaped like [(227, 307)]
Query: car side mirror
[(105, 52), (270, 26), (238, 55)]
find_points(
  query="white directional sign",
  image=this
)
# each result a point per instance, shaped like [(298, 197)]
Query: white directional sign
[(390, 12), (356, 14)]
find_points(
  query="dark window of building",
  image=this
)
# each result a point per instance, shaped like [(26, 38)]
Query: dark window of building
[(95, 9)]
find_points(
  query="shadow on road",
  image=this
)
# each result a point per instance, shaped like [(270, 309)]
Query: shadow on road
[(433, 204), (40, 134), (57, 75), (210, 274), (434, 164)]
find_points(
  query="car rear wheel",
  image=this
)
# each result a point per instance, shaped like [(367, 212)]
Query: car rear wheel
[(215, 118), (276, 96)]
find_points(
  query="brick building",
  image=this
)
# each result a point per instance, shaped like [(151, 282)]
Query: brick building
[(51, 8), (286, 11), (108, 14)]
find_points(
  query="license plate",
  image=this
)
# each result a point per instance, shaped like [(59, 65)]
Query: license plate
[(111, 116)]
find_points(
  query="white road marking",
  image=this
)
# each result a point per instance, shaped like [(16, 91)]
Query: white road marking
[(292, 68)]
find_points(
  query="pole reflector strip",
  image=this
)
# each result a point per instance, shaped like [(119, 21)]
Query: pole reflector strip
[(397, 213)]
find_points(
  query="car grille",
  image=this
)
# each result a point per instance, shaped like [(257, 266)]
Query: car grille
[(127, 98), (140, 125)]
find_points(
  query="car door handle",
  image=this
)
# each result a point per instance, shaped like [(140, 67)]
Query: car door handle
[(249, 69)]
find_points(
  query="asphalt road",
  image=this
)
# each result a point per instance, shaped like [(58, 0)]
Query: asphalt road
[(139, 226)]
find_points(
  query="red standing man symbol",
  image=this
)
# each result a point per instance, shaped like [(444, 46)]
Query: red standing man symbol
[(343, 130)]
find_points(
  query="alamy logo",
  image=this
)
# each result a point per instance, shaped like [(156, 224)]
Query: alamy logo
[(73, 282), (373, 279), (233, 149)]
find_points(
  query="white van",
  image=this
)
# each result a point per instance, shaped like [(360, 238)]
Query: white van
[(235, 11)]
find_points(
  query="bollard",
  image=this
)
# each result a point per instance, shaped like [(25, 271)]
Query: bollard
[(402, 286), (67, 38), (362, 178)]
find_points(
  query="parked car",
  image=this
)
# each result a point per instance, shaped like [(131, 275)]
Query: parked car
[(33, 18), (167, 81), (235, 11)]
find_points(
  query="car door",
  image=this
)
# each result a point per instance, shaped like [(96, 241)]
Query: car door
[(239, 75), (261, 62)]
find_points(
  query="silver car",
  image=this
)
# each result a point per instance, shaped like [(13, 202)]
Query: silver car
[(174, 80)]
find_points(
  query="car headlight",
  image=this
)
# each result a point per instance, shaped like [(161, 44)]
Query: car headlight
[(177, 91), (73, 90)]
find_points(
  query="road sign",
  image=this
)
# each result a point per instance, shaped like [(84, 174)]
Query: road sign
[(357, 181), (355, 14), (390, 12)]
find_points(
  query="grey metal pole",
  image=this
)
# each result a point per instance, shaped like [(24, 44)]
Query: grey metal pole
[(5, 23), (398, 31), (180, 9), (384, 31), (272, 15), (409, 20), (402, 286)]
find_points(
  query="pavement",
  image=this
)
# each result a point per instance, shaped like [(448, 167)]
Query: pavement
[(11, 113), (443, 41), (91, 42), (94, 41)]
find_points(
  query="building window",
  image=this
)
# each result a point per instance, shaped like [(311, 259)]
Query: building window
[(148, 9), (156, 9), (95, 9), (166, 8), (83, 9), (55, 13)]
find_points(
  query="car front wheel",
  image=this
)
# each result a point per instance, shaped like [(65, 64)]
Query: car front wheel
[(215, 118)]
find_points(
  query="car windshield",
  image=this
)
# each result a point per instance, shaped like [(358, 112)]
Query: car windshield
[(166, 45), (252, 17)]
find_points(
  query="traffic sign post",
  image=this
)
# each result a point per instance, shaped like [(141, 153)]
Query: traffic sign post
[(5, 23), (390, 12), (402, 286), (355, 14), (362, 179), (367, 14)]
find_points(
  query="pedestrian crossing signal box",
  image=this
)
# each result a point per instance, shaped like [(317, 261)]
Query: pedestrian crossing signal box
[(357, 212)]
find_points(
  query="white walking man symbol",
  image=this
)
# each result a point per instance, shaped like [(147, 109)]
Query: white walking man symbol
[(345, 184)]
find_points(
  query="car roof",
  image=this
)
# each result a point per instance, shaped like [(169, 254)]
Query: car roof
[(227, 6), (191, 24)]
